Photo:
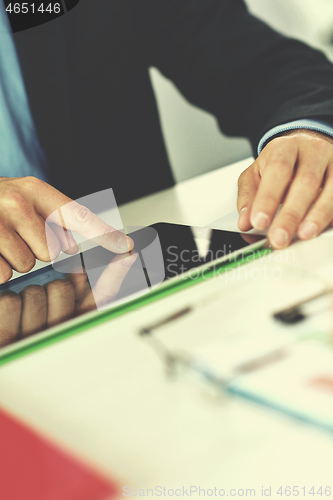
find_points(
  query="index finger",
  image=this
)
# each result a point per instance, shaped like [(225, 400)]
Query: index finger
[(248, 184), (279, 169), (57, 208), (80, 219)]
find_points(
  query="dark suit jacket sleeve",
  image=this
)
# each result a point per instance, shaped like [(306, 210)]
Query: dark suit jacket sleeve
[(229, 63)]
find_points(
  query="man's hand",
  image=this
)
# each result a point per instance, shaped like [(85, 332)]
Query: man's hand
[(25, 204), (295, 169)]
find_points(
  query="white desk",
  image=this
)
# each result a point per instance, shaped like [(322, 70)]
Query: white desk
[(103, 393)]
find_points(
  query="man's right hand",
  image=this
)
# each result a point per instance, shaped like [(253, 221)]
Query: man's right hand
[(25, 204)]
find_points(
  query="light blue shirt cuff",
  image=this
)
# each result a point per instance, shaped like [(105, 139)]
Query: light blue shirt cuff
[(317, 125)]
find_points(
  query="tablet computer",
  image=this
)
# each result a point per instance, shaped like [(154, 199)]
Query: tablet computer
[(97, 279)]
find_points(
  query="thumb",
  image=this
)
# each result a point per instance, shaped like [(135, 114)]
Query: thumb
[(248, 184)]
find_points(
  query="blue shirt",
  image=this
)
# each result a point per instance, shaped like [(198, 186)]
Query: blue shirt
[(318, 126), (20, 151)]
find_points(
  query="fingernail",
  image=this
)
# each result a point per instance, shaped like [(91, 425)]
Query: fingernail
[(125, 243), (280, 238), (122, 243), (308, 230), (260, 220), (130, 243), (241, 215)]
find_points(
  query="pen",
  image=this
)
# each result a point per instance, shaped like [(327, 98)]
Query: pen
[(169, 319)]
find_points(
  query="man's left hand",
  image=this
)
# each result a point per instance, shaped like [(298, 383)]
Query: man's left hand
[(295, 169)]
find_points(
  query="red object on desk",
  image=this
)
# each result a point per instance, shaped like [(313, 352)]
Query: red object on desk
[(32, 468)]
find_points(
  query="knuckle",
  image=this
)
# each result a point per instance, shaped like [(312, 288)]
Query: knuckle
[(26, 264), (310, 179), (267, 203), (81, 215), (60, 289), (110, 233), (324, 214), (13, 200), (292, 218), (32, 182), (320, 144), (278, 144), (33, 292), (282, 169), (292, 140)]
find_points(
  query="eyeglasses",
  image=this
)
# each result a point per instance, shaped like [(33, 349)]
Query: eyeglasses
[(177, 363)]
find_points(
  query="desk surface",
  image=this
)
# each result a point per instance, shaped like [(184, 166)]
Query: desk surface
[(103, 393)]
